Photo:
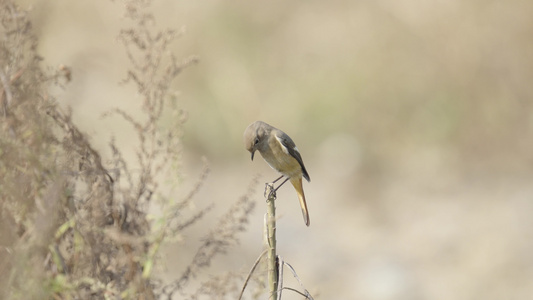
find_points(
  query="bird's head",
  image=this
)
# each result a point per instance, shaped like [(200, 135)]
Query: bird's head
[(255, 137)]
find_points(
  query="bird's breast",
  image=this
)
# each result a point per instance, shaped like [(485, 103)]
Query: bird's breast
[(281, 161)]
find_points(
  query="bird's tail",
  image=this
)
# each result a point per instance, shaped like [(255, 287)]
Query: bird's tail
[(297, 183)]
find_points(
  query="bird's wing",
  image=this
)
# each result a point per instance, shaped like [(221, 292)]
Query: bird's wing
[(291, 148)]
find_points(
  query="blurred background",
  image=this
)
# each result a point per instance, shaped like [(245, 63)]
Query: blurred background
[(414, 119)]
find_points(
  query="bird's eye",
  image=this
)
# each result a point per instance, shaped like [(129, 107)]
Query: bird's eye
[(256, 141)]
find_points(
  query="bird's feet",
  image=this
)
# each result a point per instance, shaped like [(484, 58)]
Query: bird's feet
[(270, 191)]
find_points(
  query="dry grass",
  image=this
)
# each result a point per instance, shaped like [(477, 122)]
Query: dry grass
[(74, 226)]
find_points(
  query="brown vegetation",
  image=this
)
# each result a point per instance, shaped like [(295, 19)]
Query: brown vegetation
[(72, 225)]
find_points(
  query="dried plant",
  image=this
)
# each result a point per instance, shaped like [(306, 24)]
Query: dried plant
[(216, 242), (32, 186), (74, 226)]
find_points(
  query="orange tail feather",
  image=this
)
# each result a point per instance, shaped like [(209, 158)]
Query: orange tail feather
[(297, 183)]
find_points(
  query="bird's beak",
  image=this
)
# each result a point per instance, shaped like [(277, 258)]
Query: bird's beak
[(253, 154)]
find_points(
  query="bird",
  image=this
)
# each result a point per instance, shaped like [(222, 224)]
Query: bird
[(281, 154)]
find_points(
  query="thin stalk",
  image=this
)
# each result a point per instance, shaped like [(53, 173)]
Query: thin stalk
[(271, 247)]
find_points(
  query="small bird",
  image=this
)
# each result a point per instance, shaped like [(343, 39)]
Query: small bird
[(280, 152)]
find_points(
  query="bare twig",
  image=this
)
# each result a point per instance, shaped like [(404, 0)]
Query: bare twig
[(251, 272), (271, 239), (307, 295), (280, 262)]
